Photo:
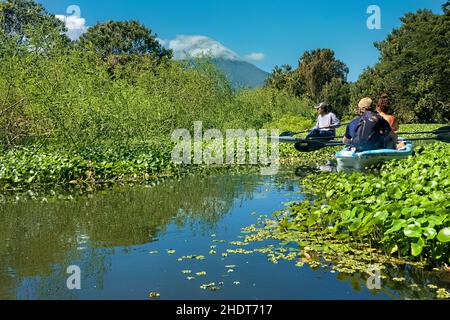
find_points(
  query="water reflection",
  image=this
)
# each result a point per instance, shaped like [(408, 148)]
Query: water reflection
[(110, 233), (37, 237)]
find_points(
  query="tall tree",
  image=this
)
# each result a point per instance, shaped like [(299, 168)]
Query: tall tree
[(123, 38), (337, 94), (19, 17), (280, 78), (316, 69), (414, 67)]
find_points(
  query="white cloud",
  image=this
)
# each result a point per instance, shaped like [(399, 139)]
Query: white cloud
[(255, 56), (197, 45), (76, 26), (163, 42)]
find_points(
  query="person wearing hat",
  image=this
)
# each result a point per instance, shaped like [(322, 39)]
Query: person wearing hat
[(368, 130), (326, 123)]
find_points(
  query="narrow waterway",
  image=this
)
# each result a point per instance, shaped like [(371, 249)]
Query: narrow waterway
[(170, 239)]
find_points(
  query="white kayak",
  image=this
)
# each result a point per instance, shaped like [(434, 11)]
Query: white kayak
[(350, 160)]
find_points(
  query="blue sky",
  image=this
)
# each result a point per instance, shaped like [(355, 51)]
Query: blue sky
[(264, 32)]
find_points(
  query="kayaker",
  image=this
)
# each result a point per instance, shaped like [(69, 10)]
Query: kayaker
[(383, 106), (368, 131), (326, 124)]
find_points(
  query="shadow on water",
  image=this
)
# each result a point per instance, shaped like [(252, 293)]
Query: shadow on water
[(109, 235), (35, 236)]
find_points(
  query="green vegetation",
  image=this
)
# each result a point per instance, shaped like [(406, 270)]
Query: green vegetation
[(319, 77), (113, 38), (413, 69), (102, 109), (105, 106), (79, 115), (24, 168), (402, 209)]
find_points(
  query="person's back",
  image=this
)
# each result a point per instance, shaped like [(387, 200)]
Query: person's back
[(368, 130)]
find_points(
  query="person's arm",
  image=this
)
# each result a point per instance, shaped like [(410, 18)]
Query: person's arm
[(347, 137), (395, 125)]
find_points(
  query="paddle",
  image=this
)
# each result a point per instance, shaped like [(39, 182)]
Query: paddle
[(290, 133), (437, 131), (314, 145), (442, 130)]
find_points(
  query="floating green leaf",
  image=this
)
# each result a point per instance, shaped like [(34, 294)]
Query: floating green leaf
[(416, 248), (444, 235), (154, 295), (413, 231)]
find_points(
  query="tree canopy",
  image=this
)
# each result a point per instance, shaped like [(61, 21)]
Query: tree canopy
[(123, 38), (17, 17), (25, 26), (318, 77), (414, 68), (316, 69)]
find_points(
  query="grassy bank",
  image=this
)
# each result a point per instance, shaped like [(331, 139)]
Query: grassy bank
[(403, 209)]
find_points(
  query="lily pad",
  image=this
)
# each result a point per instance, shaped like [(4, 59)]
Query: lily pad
[(444, 235), (154, 295)]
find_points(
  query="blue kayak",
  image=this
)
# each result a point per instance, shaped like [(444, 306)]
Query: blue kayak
[(349, 160)]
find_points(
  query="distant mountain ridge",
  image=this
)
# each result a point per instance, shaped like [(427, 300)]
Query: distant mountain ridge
[(242, 73)]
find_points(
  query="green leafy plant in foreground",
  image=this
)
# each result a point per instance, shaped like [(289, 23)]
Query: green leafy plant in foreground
[(403, 209)]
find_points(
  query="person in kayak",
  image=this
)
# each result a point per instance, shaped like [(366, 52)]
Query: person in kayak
[(383, 106), (326, 124), (368, 131)]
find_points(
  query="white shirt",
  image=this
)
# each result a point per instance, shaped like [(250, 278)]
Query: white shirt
[(327, 120)]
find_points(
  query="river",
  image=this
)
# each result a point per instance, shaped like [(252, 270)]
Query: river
[(130, 241)]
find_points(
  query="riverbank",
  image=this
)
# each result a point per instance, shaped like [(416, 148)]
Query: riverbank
[(403, 209), (32, 168)]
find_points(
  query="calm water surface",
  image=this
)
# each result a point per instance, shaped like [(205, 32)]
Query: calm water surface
[(109, 236)]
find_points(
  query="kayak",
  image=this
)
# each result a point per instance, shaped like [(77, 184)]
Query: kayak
[(350, 160)]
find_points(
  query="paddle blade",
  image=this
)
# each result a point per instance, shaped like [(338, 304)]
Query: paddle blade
[(309, 145), (287, 134), (443, 137), (445, 129)]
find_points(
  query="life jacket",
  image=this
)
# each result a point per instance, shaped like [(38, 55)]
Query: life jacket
[(370, 132)]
